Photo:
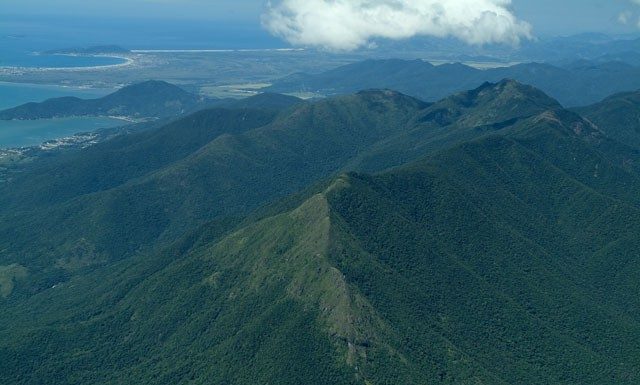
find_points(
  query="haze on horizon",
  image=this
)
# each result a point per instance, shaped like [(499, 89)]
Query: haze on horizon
[(359, 22)]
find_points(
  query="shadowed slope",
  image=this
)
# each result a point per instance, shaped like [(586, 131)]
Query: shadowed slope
[(483, 263), (618, 116)]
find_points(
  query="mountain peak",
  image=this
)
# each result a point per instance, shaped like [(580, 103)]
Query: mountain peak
[(511, 88), (149, 86), (505, 92), (560, 121), (490, 104), (390, 96)]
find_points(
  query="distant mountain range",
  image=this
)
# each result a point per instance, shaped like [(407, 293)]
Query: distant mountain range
[(596, 47), (575, 84), (490, 237)]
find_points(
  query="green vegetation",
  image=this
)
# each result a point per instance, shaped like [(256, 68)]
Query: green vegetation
[(266, 101), (8, 276), (488, 238), (148, 99), (211, 164), (618, 116)]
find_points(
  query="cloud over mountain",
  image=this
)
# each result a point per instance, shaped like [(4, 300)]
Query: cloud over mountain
[(630, 17), (351, 24)]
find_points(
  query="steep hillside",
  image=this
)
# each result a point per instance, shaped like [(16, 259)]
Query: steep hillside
[(226, 303), (485, 270), (467, 115), (496, 261), (618, 116), (265, 101), (111, 163), (182, 175), (143, 100), (162, 183)]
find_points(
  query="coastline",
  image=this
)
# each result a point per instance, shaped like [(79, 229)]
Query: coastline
[(14, 92), (20, 134), (55, 86), (136, 51), (129, 61)]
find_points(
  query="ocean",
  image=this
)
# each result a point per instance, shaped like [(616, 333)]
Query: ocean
[(20, 51), (42, 33), (21, 58), (20, 44), (21, 38)]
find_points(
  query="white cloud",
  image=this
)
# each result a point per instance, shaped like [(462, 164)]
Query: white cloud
[(624, 17), (627, 16), (350, 24)]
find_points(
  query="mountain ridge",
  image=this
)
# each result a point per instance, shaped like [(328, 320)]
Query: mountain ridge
[(334, 259), (489, 237), (618, 115), (272, 158), (571, 85), (149, 99)]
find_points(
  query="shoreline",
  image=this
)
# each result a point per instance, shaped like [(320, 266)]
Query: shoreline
[(129, 60), (196, 50), (121, 118), (18, 91), (78, 130), (52, 85)]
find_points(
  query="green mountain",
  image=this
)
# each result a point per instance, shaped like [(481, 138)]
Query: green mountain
[(618, 116), (488, 238), (84, 209), (452, 120), (269, 101), (574, 84), (502, 260), (189, 172), (148, 99)]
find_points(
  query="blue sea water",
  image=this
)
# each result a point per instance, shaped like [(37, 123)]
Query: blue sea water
[(21, 133), (22, 36), (20, 58), (15, 94), (41, 33)]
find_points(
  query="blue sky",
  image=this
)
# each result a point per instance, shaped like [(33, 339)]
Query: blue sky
[(248, 10), (575, 16), (547, 17)]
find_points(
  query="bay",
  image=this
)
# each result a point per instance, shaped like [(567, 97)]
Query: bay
[(32, 60), (23, 133), (15, 94)]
